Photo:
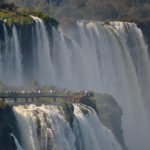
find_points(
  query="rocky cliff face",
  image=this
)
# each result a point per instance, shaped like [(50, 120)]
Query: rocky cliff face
[(145, 27), (8, 126)]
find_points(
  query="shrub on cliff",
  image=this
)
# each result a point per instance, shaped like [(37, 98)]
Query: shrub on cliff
[(22, 17), (69, 115), (17, 18), (41, 15), (2, 104)]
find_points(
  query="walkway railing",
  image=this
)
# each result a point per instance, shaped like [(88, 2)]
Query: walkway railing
[(14, 96), (32, 95)]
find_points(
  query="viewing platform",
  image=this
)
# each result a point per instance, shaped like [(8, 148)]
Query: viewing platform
[(33, 96)]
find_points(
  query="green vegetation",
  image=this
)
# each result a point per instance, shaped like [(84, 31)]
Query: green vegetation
[(5, 106), (84, 110), (41, 15), (68, 109), (16, 18), (22, 17), (2, 104)]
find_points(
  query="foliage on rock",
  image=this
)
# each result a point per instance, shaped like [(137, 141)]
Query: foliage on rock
[(16, 18), (3, 105), (22, 17), (84, 110), (69, 115)]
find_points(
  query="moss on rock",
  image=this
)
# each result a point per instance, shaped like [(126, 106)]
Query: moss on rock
[(44, 17), (69, 115), (22, 17), (84, 110), (2, 105), (16, 18)]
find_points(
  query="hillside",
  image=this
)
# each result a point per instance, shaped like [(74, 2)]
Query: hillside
[(90, 9)]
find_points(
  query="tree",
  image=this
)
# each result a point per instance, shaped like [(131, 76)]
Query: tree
[(34, 85)]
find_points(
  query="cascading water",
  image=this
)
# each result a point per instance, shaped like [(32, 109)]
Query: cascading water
[(11, 58), (108, 58), (45, 128), (132, 39), (110, 68), (17, 143), (42, 61)]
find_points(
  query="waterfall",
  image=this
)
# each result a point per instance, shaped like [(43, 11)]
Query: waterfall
[(42, 54), (108, 58), (16, 142), (101, 139), (11, 58), (16, 56), (103, 61), (134, 40), (45, 128)]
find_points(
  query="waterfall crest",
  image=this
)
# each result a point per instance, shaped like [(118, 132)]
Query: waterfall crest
[(42, 56), (45, 128)]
